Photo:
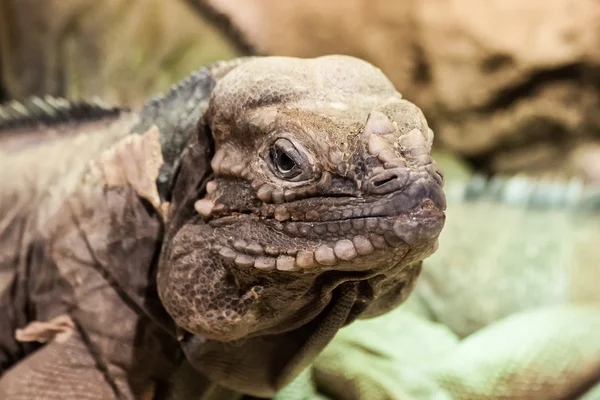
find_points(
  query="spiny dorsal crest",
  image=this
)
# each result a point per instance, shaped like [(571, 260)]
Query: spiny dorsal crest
[(52, 110)]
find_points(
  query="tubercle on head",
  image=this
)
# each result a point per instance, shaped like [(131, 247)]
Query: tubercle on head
[(384, 142)]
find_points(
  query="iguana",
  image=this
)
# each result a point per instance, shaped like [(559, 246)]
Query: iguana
[(237, 222), (507, 308)]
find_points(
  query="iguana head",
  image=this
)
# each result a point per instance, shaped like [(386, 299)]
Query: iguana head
[(321, 176)]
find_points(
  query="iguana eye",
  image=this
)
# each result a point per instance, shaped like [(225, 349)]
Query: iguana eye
[(285, 159), (282, 161)]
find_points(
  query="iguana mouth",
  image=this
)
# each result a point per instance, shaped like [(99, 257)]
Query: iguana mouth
[(352, 243), (348, 233), (339, 209)]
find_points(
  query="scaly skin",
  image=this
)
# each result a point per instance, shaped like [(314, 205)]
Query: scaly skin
[(301, 197)]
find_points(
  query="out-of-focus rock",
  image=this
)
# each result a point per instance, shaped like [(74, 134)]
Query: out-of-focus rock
[(586, 161), (120, 50), (512, 85)]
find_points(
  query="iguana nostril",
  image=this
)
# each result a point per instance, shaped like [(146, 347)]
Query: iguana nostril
[(388, 181), (384, 180)]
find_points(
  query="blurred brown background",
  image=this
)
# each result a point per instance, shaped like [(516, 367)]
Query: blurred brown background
[(508, 85), (120, 50)]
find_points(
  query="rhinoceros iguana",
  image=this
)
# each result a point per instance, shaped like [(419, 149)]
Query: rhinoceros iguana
[(237, 222)]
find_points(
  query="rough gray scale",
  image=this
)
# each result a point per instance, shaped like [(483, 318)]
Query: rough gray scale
[(52, 111), (532, 192)]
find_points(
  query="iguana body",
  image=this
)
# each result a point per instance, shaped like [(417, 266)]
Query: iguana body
[(508, 308), (240, 220)]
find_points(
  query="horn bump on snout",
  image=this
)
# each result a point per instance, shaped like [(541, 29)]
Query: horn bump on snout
[(378, 124)]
